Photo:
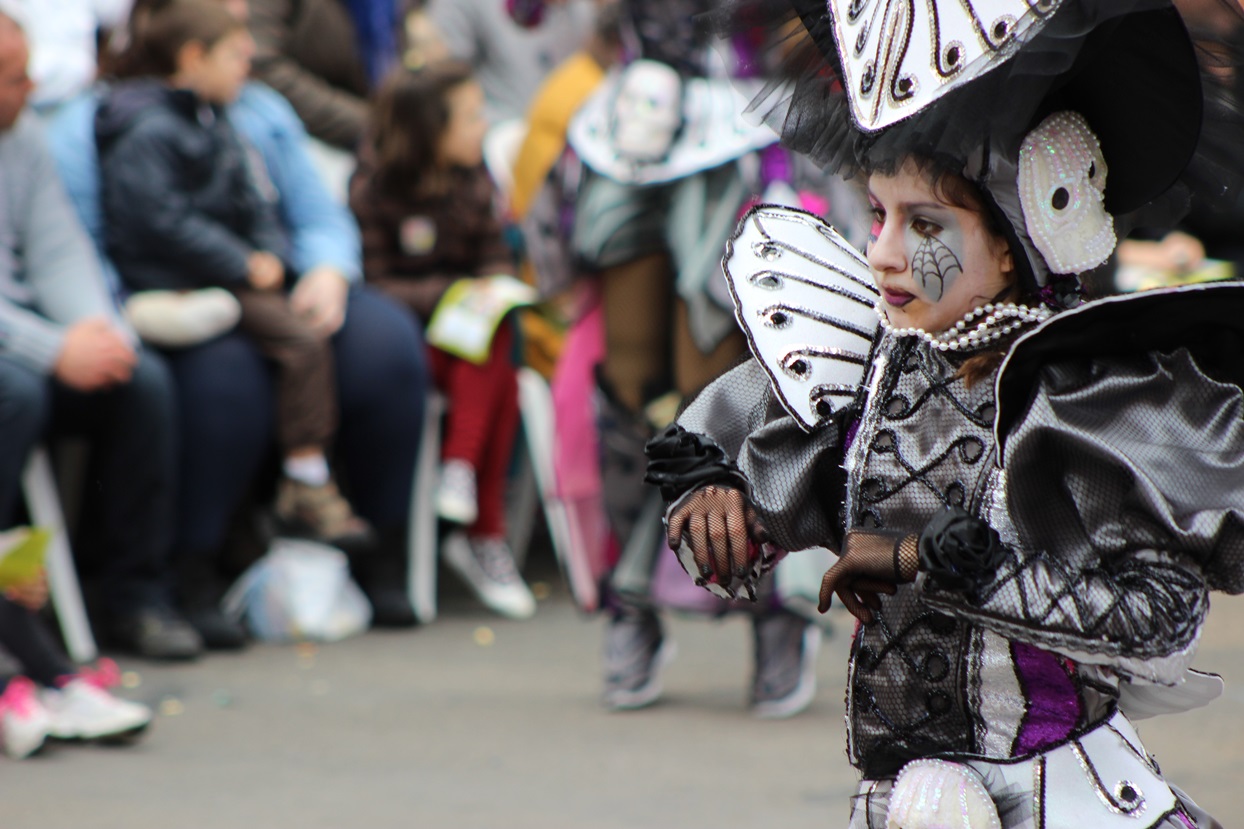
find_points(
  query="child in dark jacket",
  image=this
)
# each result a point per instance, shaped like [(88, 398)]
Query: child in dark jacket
[(186, 208), (425, 206)]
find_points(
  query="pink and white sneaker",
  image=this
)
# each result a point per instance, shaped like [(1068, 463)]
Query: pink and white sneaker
[(24, 722), (82, 708)]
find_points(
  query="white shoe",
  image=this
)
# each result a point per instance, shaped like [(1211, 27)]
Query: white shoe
[(487, 566), (83, 711), (456, 498), (179, 319), (24, 721)]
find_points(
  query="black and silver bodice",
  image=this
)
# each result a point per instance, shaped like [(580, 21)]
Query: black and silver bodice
[(925, 442)]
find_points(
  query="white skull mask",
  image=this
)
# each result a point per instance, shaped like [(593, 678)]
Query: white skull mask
[(1062, 187), (647, 112)]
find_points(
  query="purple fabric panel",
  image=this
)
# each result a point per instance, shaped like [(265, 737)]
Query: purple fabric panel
[(1054, 707)]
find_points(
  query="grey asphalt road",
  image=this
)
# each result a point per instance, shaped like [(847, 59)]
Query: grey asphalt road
[(477, 723)]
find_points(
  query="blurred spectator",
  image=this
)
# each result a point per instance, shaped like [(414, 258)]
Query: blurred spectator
[(64, 37), (308, 50), (512, 44), (52, 697), (223, 387), (425, 205), (185, 210), (69, 365)]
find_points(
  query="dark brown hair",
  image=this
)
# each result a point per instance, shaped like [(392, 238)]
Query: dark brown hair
[(160, 29), (410, 115)]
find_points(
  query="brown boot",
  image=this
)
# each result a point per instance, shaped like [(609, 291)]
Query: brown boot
[(322, 514)]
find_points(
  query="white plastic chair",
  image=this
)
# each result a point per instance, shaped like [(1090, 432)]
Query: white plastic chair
[(421, 534), (540, 426), (535, 405), (43, 502)]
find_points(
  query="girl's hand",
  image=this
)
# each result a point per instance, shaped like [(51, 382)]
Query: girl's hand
[(266, 271), (718, 525), (32, 595), (871, 563)]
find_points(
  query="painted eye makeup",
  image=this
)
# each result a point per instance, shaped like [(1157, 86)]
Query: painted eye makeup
[(878, 214), (925, 227)]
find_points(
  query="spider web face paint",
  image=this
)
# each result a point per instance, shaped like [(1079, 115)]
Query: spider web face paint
[(935, 267)]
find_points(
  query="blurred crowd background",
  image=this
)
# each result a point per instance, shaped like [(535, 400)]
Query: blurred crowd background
[(249, 245)]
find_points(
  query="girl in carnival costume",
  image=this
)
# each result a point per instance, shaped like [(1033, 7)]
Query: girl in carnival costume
[(1032, 496)]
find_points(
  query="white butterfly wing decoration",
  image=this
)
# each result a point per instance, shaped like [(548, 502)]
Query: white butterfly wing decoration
[(899, 56), (807, 301)]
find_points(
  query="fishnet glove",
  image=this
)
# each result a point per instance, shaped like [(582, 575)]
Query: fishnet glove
[(871, 563), (717, 537)]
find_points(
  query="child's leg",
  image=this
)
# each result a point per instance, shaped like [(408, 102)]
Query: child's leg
[(479, 432), (26, 638), (475, 392), (306, 390), (501, 427), (483, 418), (636, 299), (693, 369), (308, 502)]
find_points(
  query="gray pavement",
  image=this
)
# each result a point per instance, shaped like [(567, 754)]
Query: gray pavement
[(476, 723)]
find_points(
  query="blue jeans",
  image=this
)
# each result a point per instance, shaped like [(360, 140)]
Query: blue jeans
[(124, 544), (226, 412)]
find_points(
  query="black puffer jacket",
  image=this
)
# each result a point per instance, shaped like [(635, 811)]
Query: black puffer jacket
[(184, 202)]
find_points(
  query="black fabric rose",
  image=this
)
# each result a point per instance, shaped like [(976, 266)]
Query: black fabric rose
[(959, 551), (680, 461)]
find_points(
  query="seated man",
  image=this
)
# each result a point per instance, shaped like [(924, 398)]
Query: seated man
[(69, 365)]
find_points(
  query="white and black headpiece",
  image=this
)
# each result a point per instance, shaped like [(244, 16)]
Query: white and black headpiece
[(1033, 100)]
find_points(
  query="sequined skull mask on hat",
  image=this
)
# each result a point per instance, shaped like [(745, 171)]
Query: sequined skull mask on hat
[(1062, 185), (647, 112)]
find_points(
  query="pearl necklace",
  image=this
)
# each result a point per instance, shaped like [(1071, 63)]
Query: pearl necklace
[(966, 336)]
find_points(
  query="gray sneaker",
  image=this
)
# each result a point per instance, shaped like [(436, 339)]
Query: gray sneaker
[(636, 654), (786, 647)]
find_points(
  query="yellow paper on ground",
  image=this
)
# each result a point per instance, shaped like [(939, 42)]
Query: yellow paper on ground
[(22, 553), (467, 316)]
